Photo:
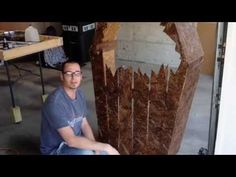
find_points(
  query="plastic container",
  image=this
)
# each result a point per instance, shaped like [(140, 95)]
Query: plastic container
[(31, 34)]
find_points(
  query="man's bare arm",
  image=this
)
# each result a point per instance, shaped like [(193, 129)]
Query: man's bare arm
[(87, 130), (84, 143)]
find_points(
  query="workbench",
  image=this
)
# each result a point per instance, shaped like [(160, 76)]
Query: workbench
[(46, 42)]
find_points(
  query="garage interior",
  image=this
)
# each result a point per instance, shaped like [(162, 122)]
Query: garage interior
[(139, 44)]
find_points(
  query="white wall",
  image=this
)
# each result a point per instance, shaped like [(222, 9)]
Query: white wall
[(226, 133), (146, 42)]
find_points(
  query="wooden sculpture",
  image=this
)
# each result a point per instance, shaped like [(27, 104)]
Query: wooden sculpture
[(138, 114)]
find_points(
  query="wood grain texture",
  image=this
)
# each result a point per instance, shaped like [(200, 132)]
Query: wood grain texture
[(112, 106), (100, 96), (46, 42), (125, 111), (184, 104), (140, 119), (102, 54), (159, 132)]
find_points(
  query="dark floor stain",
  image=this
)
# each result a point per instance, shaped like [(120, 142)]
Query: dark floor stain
[(24, 145)]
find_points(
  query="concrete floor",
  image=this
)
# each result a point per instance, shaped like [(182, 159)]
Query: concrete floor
[(23, 138)]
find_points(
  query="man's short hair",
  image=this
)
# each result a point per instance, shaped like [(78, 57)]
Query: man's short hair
[(68, 61)]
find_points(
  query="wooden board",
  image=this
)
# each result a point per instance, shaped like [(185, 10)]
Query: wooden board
[(46, 42), (125, 111), (159, 136), (140, 120), (100, 96), (112, 106), (191, 74)]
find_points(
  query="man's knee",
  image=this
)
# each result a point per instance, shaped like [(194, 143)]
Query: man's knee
[(86, 152), (103, 153), (66, 150)]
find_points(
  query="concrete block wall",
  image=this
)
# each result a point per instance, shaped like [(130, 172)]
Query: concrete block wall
[(146, 42)]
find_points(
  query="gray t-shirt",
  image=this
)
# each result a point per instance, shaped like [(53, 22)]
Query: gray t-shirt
[(58, 111)]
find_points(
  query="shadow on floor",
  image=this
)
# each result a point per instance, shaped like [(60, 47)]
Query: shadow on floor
[(24, 145)]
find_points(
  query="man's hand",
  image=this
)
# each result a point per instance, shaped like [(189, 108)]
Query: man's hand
[(111, 150)]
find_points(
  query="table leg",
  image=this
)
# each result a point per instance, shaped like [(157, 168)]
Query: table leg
[(16, 113), (44, 96)]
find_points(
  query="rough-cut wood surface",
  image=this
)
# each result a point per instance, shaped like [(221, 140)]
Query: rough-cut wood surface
[(140, 125), (159, 133), (102, 53), (125, 111), (160, 113), (109, 60), (106, 32), (190, 42), (100, 96), (112, 106), (182, 112), (175, 87)]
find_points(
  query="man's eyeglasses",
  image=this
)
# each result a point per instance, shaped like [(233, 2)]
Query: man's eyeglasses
[(73, 74)]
